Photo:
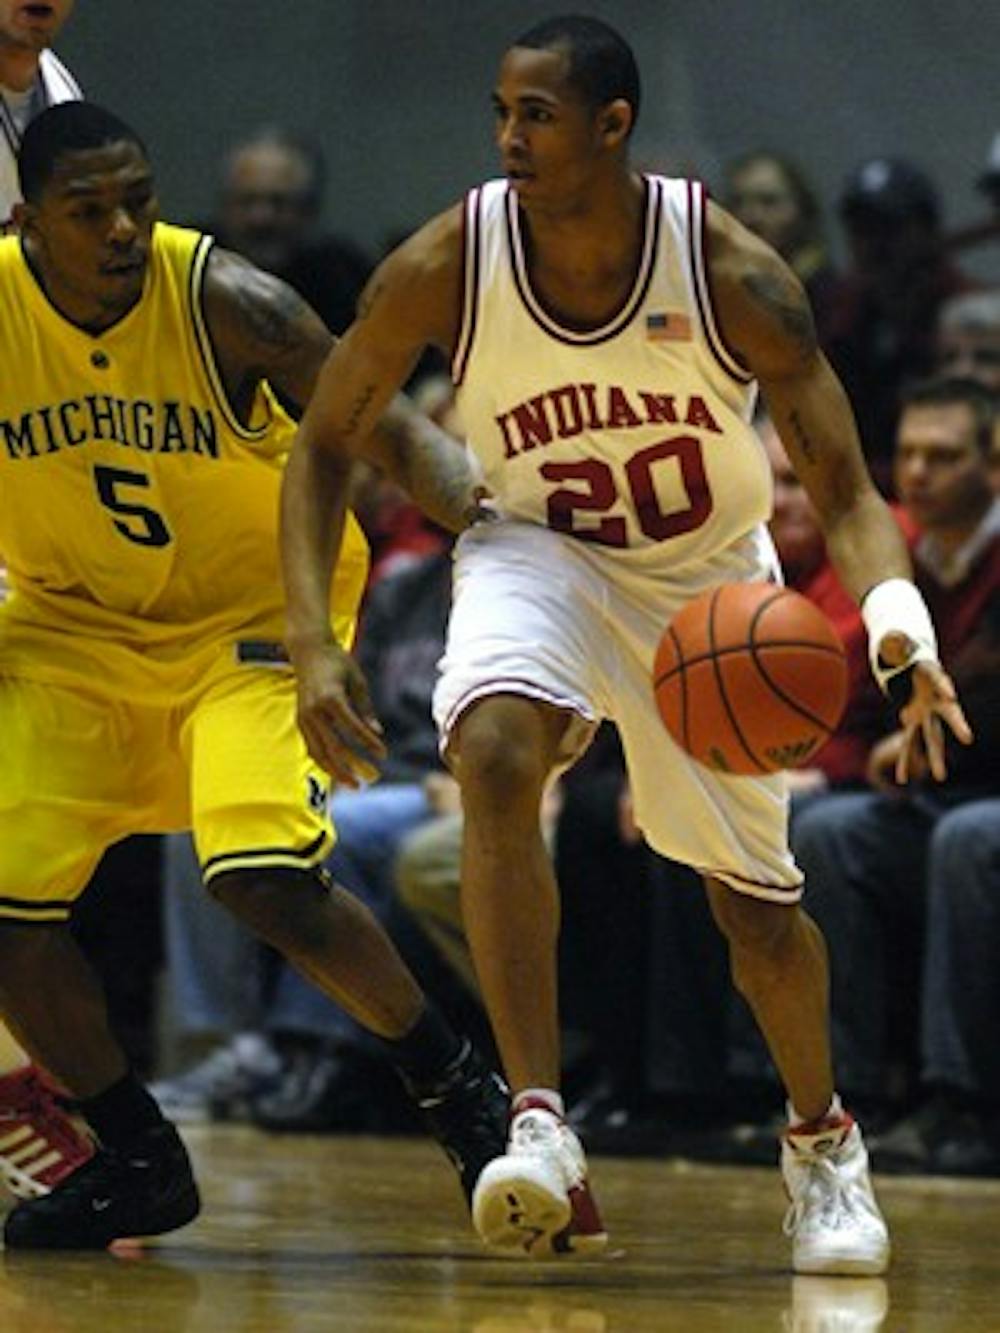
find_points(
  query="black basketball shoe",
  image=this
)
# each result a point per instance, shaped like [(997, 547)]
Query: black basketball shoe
[(466, 1110), (144, 1191)]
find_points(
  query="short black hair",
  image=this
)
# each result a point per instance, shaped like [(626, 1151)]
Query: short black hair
[(948, 390), (68, 127), (602, 66)]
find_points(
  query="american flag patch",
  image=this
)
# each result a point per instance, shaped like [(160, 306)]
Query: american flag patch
[(668, 326)]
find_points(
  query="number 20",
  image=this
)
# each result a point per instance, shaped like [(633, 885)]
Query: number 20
[(602, 493)]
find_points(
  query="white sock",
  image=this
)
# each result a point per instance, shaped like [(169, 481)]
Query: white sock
[(548, 1096), (833, 1112)]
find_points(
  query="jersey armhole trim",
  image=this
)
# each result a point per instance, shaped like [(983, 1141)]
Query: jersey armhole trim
[(203, 342), (697, 252), (469, 298)]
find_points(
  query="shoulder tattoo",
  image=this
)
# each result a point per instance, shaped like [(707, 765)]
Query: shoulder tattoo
[(783, 299), (273, 312)]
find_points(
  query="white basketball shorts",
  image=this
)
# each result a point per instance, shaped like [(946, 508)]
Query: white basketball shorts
[(570, 623)]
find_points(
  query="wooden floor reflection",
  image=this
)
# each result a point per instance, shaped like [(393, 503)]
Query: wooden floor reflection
[(365, 1236)]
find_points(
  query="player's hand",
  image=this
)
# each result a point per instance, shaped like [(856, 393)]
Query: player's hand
[(336, 716), (883, 759), (933, 705)]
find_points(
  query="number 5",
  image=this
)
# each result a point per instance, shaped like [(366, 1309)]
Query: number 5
[(138, 523)]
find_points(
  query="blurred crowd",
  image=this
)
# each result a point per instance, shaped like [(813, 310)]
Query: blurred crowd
[(661, 1056)]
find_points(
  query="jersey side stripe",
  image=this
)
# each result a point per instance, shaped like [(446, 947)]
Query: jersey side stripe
[(471, 248), (703, 295), (204, 344)]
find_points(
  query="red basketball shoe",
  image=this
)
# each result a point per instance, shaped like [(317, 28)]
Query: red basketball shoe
[(39, 1143)]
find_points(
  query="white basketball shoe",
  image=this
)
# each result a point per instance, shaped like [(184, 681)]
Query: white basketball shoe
[(535, 1201), (833, 1219)]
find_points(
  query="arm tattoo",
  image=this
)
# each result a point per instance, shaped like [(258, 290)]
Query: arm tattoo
[(431, 467), (358, 411), (272, 314), (806, 445), (783, 301)]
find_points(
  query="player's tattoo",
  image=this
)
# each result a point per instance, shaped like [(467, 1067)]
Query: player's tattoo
[(274, 314), (806, 445), (783, 299), (431, 466), (357, 411)]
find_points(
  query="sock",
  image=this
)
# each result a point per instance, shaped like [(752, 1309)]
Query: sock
[(122, 1113), (427, 1051), (833, 1112), (547, 1096), (11, 1055)]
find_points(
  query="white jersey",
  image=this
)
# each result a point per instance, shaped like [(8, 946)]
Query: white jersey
[(635, 436), (54, 84)]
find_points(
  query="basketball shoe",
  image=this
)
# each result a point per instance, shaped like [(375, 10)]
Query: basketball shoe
[(39, 1143), (466, 1110), (144, 1191), (833, 1218), (535, 1200)]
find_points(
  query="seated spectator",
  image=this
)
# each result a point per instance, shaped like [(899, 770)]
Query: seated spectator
[(770, 195), (881, 865), (968, 338), (885, 306), (270, 208)]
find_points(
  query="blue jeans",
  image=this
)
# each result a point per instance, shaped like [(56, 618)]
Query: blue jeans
[(906, 891), (960, 1014)]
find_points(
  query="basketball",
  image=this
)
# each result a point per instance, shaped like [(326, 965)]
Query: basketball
[(750, 678)]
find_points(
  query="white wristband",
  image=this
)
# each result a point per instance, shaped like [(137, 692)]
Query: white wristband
[(896, 607)]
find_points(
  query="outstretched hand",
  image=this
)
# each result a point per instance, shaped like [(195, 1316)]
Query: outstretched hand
[(932, 705), (335, 715)]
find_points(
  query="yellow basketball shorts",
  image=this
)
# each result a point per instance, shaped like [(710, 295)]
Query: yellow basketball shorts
[(80, 771)]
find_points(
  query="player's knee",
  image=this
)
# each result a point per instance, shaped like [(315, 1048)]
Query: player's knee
[(267, 900), (501, 753), (758, 932), (24, 950)]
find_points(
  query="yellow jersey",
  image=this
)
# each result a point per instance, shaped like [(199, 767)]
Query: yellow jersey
[(138, 514)]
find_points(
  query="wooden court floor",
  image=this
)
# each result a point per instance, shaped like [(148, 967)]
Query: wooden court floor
[(355, 1235)]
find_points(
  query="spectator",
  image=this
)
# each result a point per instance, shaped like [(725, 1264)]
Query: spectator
[(885, 882), (881, 332), (771, 196), (270, 207), (32, 77), (968, 338)]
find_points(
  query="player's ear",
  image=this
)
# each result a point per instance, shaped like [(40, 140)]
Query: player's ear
[(23, 216), (616, 121)]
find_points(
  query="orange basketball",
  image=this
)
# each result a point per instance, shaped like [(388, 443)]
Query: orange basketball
[(750, 678)]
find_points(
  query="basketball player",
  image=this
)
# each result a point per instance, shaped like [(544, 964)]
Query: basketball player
[(143, 681), (39, 1143), (608, 331)]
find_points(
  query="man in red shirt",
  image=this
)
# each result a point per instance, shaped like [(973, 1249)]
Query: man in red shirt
[(908, 879)]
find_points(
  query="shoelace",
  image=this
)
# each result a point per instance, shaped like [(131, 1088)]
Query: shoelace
[(842, 1201), (534, 1132)]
